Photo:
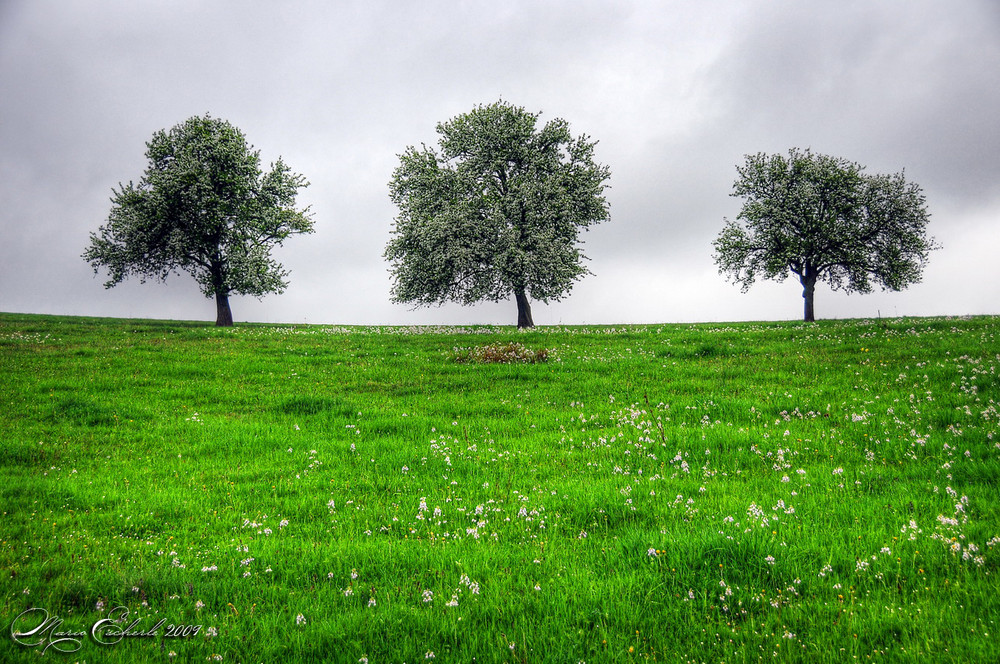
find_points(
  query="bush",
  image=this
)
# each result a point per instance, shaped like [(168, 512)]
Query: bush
[(501, 353)]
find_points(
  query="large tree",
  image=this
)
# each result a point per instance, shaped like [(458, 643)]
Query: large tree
[(497, 212), (203, 207), (822, 218)]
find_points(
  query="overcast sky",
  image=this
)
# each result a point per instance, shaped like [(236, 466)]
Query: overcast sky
[(676, 93)]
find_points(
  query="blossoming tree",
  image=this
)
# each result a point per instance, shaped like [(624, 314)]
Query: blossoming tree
[(203, 207), (497, 212), (822, 218)]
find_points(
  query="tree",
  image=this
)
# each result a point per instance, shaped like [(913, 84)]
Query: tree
[(204, 207), (497, 212), (823, 219)]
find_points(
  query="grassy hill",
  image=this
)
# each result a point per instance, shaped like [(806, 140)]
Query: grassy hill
[(674, 493)]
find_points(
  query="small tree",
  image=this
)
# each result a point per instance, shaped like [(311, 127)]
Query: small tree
[(497, 213), (822, 219), (204, 207)]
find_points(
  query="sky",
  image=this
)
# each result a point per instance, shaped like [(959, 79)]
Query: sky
[(676, 93)]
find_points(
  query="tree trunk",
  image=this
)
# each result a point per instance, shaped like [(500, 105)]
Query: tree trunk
[(523, 309), (224, 315), (808, 291)]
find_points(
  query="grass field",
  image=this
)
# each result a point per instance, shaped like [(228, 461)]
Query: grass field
[(680, 493)]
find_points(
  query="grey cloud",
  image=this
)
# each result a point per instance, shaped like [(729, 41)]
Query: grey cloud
[(893, 85), (676, 93)]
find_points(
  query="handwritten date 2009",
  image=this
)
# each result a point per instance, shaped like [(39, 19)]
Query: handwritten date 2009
[(181, 631)]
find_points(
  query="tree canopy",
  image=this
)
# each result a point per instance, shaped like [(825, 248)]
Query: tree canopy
[(822, 218), (497, 212), (203, 207)]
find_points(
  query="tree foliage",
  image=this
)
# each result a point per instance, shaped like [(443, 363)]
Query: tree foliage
[(822, 218), (203, 207), (496, 212)]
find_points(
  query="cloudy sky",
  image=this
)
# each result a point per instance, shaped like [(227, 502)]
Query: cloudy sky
[(676, 93)]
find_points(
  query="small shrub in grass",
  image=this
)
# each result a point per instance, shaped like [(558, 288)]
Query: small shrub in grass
[(501, 353)]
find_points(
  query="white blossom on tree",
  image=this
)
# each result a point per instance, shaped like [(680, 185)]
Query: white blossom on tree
[(496, 212), (203, 207), (822, 218)]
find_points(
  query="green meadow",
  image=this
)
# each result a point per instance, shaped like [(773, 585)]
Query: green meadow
[(746, 492)]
